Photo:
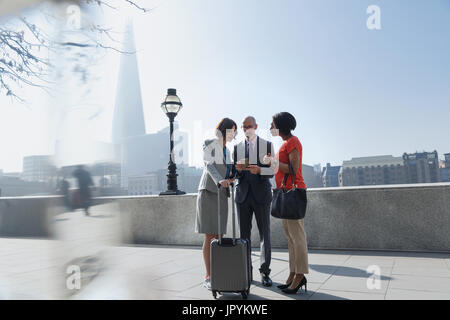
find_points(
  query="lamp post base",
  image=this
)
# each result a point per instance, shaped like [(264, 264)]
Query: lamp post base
[(172, 193)]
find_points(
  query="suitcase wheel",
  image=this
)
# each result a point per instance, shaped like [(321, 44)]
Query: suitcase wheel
[(214, 293), (244, 295)]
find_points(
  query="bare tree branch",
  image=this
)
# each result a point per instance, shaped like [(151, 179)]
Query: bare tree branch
[(24, 52), (140, 8)]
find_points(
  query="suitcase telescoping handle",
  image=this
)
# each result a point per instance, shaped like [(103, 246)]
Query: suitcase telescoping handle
[(232, 213)]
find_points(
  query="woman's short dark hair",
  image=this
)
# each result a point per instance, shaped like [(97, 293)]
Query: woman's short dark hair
[(224, 125), (285, 122)]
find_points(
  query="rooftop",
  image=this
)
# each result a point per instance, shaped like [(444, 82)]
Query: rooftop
[(374, 161)]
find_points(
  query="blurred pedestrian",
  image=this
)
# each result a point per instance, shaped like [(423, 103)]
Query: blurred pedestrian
[(64, 190), (84, 183)]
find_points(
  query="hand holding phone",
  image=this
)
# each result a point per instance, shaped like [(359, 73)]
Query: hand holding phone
[(243, 164)]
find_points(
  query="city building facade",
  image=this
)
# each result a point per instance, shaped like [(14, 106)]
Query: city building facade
[(445, 168), (376, 170), (38, 168), (12, 186), (143, 185), (447, 160), (188, 180), (312, 178), (422, 167), (330, 176)]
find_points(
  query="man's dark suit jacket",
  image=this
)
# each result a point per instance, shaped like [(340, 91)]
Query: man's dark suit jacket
[(258, 185)]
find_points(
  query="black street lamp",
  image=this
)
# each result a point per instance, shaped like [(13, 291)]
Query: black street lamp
[(171, 106)]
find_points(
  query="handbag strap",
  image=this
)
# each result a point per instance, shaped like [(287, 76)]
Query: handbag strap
[(291, 173)]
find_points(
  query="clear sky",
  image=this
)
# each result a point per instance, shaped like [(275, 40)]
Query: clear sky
[(354, 91)]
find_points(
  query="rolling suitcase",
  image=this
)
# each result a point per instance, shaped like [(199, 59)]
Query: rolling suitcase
[(230, 260)]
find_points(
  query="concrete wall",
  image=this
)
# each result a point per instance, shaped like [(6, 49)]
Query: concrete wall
[(406, 217), (395, 217), (31, 216), (28, 216)]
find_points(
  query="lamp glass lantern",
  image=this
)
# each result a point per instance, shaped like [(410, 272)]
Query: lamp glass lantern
[(172, 104)]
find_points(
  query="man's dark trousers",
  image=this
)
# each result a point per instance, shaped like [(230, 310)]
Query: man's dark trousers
[(254, 195)]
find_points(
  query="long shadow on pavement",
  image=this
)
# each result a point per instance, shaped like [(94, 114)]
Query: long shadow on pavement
[(344, 271)]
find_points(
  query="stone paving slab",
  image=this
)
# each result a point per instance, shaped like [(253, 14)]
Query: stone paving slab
[(401, 294), (324, 294), (37, 269), (425, 282), (422, 271), (176, 273)]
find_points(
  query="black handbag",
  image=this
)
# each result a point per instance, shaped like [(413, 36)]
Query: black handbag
[(289, 204)]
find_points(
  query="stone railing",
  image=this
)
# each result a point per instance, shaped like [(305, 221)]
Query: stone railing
[(401, 217), (28, 216), (392, 217)]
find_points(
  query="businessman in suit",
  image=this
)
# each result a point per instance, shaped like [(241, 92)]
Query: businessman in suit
[(254, 191)]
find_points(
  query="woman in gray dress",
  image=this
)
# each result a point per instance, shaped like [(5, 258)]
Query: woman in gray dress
[(218, 170)]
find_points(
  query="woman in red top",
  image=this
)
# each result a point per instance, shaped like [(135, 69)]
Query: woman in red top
[(291, 153)]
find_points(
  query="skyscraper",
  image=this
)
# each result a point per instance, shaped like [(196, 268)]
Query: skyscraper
[(128, 111)]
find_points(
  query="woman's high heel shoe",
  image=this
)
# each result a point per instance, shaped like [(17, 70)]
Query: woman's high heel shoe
[(284, 286), (293, 291)]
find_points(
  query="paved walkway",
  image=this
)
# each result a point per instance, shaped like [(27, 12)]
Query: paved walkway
[(37, 269)]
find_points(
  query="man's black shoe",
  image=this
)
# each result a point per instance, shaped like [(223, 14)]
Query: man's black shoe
[(265, 280)]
